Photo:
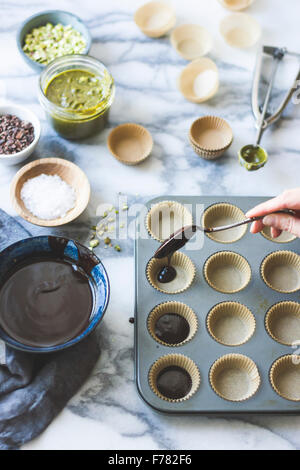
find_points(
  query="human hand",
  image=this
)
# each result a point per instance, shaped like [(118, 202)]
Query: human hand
[(289, 199)]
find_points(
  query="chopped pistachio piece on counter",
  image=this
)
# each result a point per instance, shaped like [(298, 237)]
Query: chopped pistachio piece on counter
[(94, 243), (117, 247), (45, 43)]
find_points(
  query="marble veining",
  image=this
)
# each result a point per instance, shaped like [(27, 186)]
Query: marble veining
[(107, 413)]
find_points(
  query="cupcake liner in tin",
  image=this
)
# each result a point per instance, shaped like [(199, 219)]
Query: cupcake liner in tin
[(230, 323), (282, 322), (185, 270), (227, 272), (234, 377), (165, 217), (285, 377), (173, 307), (280, 271), (177, 360), (224, 214), (284, 237)]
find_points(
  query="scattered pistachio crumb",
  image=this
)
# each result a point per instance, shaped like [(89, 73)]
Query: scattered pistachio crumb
[(116, 211), (93, 227), (117, 247), (94, 243), (107, 241), (125, 207), (104, 214), (122, 225)]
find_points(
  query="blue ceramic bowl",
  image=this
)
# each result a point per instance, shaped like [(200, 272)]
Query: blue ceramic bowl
[(54, 17), (28, 248)]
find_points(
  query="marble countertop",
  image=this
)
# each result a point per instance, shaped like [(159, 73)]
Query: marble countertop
[(107, 412)]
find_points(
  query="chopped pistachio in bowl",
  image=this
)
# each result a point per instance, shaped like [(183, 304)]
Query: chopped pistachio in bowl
[(51, 34)]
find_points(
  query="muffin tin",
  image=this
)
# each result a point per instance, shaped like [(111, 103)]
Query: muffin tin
[(238, 352)]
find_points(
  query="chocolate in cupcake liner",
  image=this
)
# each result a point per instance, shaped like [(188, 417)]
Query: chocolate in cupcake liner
[(185, 270), (165, 217), (282, 322), (177, 361), (227, 272), (285, 377), (284, 237), (177, 308), (281, 271), (230, 323), (224, 214), (234, 377)]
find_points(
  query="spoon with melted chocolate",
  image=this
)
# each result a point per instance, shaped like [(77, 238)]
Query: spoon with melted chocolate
[(179, 238)]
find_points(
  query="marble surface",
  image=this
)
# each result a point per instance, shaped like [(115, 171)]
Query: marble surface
[(107, 413)]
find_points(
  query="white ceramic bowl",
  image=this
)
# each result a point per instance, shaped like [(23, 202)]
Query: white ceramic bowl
[(26, 115)]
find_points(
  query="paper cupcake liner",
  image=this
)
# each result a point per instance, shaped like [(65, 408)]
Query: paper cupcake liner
[(132, 131), (236, 5), (227, 282), (174, 215), (207, 155), (187, 77), (174, 360), (230, 367), (173, 307), (210, 123), (280, 271), (285, 377), (284, 237), (230, 323), (224, 214), (155, 10), (281, 326), (191, 41), (240, 30), (185, 273)]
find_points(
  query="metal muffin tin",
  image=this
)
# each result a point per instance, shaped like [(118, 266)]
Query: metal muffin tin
[(203, 349)]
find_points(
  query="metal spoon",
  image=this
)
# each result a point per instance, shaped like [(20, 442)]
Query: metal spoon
[(179, 238)]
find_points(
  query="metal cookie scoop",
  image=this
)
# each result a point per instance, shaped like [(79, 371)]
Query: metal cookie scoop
[(253, 157), (179, 238)]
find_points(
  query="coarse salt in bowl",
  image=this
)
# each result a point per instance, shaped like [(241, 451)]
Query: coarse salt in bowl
[(48, 196)]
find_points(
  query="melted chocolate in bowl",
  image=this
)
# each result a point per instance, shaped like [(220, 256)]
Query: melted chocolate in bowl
[(46, 302)]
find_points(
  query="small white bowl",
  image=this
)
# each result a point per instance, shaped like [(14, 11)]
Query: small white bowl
[(26, 115)]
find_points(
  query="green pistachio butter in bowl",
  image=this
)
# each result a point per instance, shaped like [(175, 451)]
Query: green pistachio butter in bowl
[(252, 157), (76, 92)]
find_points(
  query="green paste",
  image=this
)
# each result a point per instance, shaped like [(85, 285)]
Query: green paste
[(75, 90)]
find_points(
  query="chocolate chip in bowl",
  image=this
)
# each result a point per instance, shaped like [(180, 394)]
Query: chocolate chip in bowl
[(19, 133)]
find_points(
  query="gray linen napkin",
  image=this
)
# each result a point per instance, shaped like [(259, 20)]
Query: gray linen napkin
[(35, 388)]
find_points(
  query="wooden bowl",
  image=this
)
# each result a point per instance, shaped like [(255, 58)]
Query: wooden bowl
[(68, 171), (130, 143)]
